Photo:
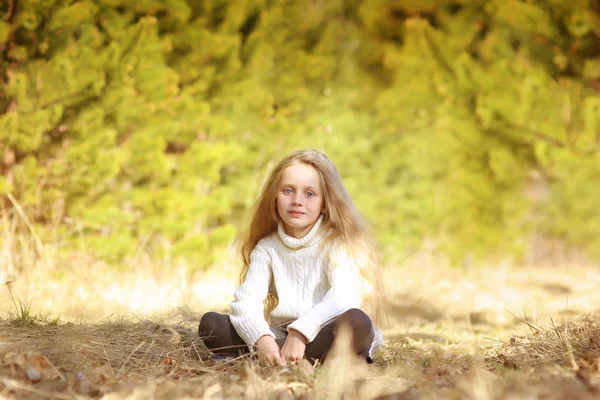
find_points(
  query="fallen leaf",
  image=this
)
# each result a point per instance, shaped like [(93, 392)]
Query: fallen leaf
[(39, 362), (74, 385), (166, 361), (102, 379)]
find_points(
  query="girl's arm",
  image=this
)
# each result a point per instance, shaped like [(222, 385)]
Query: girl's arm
[(344, 293), (247, 308)]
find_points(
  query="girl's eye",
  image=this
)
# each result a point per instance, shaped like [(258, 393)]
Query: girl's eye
[(287, 191), (310, 194)]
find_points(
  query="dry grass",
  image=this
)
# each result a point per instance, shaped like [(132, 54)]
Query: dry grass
[(75, 330), (436, 347), (92, 359), (139, 360)]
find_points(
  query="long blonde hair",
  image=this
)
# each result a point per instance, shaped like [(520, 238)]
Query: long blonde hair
[(346, 226)]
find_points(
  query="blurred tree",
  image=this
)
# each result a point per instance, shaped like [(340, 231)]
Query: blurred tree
[(150, 125)]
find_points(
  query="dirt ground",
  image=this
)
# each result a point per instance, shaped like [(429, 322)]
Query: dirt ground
[(494, 332)]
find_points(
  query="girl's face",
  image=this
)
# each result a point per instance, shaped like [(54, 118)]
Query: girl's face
[(300, 199)]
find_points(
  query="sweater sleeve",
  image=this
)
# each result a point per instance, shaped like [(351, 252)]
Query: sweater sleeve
[(344, 293), (247, 308)]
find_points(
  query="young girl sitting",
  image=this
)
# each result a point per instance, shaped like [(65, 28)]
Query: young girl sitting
[(308, 260)]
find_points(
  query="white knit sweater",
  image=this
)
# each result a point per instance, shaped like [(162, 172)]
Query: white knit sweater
[(310, 294)]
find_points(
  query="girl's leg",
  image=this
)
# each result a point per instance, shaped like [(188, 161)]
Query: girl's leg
[(360, 326), (219, 335)]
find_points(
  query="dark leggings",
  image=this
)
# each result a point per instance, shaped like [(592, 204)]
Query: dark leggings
[(219, 335)]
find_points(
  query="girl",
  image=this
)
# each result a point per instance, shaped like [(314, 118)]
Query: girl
[(308, 259)]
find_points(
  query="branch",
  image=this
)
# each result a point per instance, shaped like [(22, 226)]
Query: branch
[(533, 132), (10, 11), (553, 141)]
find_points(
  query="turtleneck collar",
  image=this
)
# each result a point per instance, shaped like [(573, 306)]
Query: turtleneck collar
[(312, 237)]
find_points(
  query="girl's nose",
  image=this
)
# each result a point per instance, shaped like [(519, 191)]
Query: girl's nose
[(297, 198)]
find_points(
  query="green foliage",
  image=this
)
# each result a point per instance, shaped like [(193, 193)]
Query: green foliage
[(149, 125)]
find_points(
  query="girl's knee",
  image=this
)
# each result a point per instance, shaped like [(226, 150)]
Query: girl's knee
[(361, 326), (356, 318), (208, 323)]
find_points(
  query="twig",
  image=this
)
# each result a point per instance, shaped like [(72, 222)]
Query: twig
[(8, 284), (571, 357), (524, 321), (108, 361), (129, 357), (557, 332), (17, 206), (570, 351), (11, 9), (14, 384), (193, 345), (493, 340), (60, 375)]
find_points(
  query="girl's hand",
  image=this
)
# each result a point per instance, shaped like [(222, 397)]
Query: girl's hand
[(268, 351), (294, 346)]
